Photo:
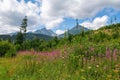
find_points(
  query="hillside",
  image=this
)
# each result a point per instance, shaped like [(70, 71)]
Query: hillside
[(110, 29), (109, 32), (91, 55)]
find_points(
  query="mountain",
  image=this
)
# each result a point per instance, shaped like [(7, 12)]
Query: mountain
[(29, 36), (45, 32), (75, 30), (11, 34)]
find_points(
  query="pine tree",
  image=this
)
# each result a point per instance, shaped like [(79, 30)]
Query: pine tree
[(20, 35), (115, 19), (69, 36), (24, 25), (19, 38), (56, 40), (77, 24), (83, 32)]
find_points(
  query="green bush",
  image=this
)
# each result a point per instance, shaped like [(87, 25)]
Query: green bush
[(18, 47), (7, 49), (115, 35)]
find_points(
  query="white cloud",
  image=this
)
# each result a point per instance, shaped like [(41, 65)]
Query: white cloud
[(54, 10), (59, 32), (12, 12), (75, 8), (54, 23), (50, 13), (51, 22), (96, 23), (8, 29)]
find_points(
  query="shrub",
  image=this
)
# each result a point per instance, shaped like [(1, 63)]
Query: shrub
[(70, 37), (115, 35), (7, 49), (18, 47)]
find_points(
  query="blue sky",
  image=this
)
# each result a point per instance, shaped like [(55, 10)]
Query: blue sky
[(57, 14), (110, 12)]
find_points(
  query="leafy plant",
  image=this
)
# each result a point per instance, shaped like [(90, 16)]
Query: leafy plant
[(7, 49)]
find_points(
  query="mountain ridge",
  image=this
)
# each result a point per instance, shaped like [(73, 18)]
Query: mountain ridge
[(75, 30), (45, 32)]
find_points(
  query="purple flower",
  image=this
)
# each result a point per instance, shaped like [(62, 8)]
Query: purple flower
[(108, 53), (92, 49), (115, 54)]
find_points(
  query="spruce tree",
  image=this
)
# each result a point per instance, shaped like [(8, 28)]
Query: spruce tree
[(24, 25), (21, 34), (69, 37), (19, 38), (56, 40)]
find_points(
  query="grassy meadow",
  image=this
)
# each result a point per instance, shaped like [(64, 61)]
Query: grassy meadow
[(94, 55)]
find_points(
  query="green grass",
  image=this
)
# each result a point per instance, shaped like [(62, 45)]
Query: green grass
[(66, 66), (94, 56)]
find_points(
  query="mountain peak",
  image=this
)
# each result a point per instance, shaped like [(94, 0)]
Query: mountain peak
[(45, 32), (43, 29), (76, 30)]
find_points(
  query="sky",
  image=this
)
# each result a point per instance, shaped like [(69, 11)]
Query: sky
[(57, 15)]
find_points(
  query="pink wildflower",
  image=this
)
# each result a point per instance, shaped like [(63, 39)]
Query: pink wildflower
[(92, 49), (108, 53), (115, 54)]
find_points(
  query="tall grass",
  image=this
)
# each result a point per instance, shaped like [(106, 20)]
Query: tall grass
[(73, 63)]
